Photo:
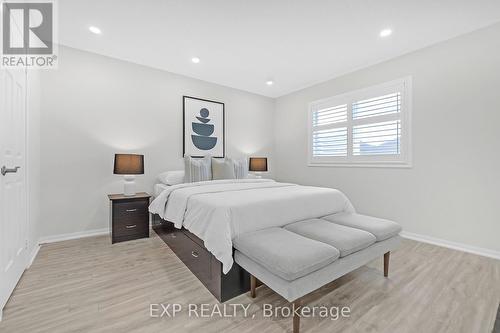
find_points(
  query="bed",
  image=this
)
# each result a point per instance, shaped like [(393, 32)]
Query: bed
[(199, 221), (158, 188)]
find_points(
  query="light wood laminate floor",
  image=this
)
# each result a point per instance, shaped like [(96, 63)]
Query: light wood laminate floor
[(89, 285)]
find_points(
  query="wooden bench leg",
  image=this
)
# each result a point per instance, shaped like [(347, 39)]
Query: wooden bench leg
[(386, 263), (253, 284), (297, 305)]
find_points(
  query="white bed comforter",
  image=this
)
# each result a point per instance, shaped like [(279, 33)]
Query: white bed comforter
[(219, 211)]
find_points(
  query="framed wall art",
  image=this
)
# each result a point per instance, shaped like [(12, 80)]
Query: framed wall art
[(203, 127)]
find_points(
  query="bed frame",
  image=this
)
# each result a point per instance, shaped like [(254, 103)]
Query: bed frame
[(191, 251)]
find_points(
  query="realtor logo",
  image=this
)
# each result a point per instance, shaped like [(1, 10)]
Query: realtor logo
[(28, 34)]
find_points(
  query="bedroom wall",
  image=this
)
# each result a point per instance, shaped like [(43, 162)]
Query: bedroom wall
[(94, 106), (452, 191)]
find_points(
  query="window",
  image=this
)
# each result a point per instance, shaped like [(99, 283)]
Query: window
[(368, 127)]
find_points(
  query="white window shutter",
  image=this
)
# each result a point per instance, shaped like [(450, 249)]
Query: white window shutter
[(368, 127)]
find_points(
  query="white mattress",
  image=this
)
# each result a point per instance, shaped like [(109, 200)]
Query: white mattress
[(158, 188)]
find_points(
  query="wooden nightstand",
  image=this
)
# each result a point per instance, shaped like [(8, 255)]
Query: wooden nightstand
[(129, 216)]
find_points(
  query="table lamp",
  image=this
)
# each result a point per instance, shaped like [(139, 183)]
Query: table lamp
[(257, 165), (129, 165)]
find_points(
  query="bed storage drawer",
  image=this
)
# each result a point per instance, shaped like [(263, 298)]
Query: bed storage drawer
[(192, 252), (172, 236), (195, 257)]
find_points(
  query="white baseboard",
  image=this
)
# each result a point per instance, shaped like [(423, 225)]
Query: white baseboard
[(74, 235), (33, 255), (405, 234), (452, 245)]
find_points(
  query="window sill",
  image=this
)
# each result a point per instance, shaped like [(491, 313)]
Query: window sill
[(402, 165)]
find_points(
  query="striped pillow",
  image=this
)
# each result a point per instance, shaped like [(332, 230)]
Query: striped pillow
[(241, 168), (197, 169)]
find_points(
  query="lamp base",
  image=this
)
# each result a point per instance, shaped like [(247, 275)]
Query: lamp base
[(129, 186)]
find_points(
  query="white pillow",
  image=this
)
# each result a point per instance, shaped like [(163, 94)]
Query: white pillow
[(222, 168), (171, 177), (197, 169), (241, 168)]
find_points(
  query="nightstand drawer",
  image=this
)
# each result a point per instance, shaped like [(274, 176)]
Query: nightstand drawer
[(126, 209), (129, 228)]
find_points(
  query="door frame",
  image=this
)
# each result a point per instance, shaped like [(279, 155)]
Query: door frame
[(32, 244)]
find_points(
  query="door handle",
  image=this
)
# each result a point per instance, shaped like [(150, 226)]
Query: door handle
[(6, 170)]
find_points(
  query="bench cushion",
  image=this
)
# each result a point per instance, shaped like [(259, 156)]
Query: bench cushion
[(284, 253), (345, 239), (380, 228), (293, 290)]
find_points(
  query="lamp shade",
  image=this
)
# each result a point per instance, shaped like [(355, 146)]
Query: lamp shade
[(257, 164), (129, 164)]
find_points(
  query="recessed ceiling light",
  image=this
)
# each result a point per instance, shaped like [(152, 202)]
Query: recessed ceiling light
[(95, 30), (385, 33), (269, 82), (195, 60)]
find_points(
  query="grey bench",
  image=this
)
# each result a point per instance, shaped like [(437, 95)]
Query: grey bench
[(301, 257)]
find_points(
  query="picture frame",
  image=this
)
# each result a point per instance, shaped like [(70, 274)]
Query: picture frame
[(203, 127)]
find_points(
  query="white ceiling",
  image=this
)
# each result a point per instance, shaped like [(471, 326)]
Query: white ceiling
[(244, 43)]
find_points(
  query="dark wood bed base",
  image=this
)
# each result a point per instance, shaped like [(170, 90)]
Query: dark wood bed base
[(191, 251)]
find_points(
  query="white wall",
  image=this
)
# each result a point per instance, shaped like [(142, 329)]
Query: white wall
[(95, 106), (452, 191)]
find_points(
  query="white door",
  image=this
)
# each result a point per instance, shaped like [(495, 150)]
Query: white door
[(13, 215)]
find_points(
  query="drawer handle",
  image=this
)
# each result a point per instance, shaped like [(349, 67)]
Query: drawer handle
[(132, 210), (194, 254), (173, 235), (131, 226)]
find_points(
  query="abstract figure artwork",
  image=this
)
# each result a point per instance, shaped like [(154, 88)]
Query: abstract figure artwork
[(202, 139), (203, 127)]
